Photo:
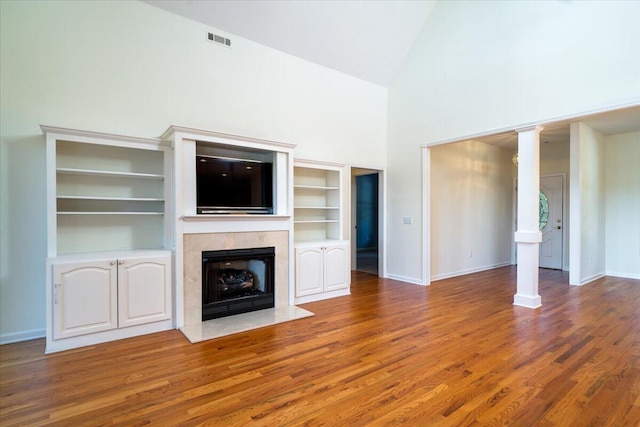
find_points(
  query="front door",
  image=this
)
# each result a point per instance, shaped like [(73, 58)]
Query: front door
[(551, 221)]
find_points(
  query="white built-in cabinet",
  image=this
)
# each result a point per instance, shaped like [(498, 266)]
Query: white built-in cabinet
[(105, 294), (321, 268), (109, 261), (321, 254)]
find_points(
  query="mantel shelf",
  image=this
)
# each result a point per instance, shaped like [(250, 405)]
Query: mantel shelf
[(232, 217)]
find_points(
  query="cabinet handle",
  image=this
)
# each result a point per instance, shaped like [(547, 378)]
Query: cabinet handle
[(113, 263), (55, 293), (120, 262)]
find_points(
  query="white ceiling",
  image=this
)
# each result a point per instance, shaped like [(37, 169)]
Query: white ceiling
[(367, 39)]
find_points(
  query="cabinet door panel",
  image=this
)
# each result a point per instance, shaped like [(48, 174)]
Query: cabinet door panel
[(335, 268), (309, 277), (85, 298), (144, 291)]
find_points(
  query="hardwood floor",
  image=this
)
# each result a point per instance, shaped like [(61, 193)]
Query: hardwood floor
[(453, 354)]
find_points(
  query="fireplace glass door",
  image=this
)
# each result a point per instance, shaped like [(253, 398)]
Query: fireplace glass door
[(237, 281)]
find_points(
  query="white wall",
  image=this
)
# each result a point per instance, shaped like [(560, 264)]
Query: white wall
[(129, 68), (484, 66), (622, 204), (554, 157), (471, 208), (592, 210)]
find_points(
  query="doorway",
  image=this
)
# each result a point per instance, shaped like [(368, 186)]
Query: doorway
[(366, 220), (551, 221)]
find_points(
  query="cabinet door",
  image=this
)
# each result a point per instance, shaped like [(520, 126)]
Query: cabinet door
[(144, 294), (85, 298), (336, 270), (309, 271)]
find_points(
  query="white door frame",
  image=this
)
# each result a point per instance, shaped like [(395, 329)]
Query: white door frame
[(354, 170)]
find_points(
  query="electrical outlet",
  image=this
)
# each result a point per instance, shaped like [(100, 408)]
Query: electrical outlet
[(407, 220)]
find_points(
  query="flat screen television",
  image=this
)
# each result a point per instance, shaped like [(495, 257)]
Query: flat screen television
[(227, 185)]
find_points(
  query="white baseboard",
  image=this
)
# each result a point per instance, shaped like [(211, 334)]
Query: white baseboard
[(590, 279), (22, 336), (107, 336), (323, 295), (469, 271), (405, 279), (623, 275)]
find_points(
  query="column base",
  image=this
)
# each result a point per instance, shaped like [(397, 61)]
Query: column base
[(527, 301)]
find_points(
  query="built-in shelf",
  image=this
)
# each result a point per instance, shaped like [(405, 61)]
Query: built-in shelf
[(114, 174), (109, 213), (315, 187), (121, 199), (319, 221), (317, 201), (106, 192), (109, 259)]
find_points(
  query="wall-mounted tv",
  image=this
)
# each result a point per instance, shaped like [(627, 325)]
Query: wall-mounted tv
[(226, 185)]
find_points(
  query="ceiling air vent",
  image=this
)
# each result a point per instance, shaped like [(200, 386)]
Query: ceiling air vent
[(218, 39)]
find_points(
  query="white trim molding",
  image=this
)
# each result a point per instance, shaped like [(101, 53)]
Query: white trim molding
[(590, 279), (552, 121), (426, 216), (469, 271), (20, 336), (623, 275), (410, 280)]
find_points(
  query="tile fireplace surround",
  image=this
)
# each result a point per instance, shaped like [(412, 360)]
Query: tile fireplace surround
[(194, 244)]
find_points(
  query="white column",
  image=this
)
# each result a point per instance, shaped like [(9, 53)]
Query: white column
[(528, 236)]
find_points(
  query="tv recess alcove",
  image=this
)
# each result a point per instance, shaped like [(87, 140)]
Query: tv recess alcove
[(257, 214)]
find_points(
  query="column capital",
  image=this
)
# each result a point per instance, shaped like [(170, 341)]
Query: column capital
[(536, 128)]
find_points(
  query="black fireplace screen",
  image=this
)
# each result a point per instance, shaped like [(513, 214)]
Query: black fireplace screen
[(237, 281)]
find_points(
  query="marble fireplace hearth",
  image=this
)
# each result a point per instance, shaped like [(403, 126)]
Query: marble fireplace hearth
[(194, 244)]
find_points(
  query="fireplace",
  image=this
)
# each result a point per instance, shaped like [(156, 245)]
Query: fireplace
[(237, 281)]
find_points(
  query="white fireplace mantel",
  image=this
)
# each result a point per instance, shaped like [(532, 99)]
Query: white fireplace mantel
[(220, 227)]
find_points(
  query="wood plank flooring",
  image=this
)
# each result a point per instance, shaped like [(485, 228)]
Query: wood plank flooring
[(456, 353)]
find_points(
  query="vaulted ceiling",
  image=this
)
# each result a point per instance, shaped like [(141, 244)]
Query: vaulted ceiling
[(367, 39)]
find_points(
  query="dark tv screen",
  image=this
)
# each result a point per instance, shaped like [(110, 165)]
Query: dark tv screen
[(225, 185)]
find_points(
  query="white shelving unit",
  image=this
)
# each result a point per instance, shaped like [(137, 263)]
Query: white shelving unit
[(109, 193), (108, 208), (321, 254), (317, 201)]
